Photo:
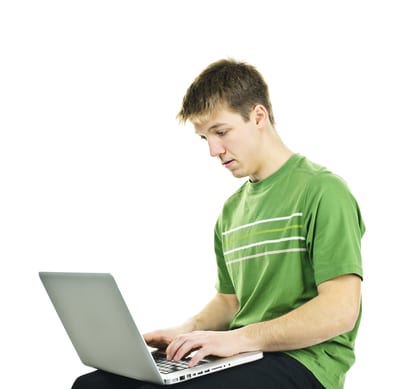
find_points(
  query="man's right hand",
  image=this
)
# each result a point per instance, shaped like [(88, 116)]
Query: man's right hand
[(162, 338)]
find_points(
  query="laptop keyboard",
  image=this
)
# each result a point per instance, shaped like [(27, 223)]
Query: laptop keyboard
[(166, 366)]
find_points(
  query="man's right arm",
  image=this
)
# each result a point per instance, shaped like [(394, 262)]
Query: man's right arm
[(215, 316)]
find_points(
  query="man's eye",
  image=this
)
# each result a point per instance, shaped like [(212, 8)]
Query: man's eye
[(202, 137), (221, 132)]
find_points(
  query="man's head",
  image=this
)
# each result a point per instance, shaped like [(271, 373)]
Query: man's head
[(226, 84)]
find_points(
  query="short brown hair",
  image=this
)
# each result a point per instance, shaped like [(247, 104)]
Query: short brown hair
[(227, 83)]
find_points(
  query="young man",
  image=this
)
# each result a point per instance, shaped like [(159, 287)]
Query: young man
[(287, 247)]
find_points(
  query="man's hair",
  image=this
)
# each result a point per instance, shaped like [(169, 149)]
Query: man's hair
[(227, 83)]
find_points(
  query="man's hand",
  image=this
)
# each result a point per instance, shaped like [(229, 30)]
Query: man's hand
[(204, 332), (218, 343), (162, 338)]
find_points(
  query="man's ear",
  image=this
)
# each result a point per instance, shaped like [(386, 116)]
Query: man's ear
[(261, 115)]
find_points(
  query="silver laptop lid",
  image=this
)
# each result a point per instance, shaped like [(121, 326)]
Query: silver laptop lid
[(99, 324)]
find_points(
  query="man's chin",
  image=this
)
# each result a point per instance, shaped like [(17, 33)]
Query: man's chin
[(238, 174)]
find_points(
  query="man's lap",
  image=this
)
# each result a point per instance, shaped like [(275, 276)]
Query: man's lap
[(274, 371)]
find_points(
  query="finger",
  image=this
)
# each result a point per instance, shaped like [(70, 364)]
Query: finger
[(173, 347), (198, 356), (181, 347), (156, 340), (147, 337), (178, 349)]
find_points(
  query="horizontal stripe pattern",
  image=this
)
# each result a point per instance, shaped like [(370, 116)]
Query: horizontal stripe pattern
[(264, 242), (253, 240), (263, 232), (265, 254), (261, 222)]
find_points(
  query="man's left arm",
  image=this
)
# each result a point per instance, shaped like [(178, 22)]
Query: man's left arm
[(332, 312)]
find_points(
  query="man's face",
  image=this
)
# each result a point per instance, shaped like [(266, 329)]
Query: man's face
[(235, 142)]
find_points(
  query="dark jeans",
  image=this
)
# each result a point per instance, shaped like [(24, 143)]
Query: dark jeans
[(274, 371)]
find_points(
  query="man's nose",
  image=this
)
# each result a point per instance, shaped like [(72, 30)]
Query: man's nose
[(216, 147)]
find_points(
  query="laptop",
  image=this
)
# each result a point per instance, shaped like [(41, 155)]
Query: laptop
[(105, 336)]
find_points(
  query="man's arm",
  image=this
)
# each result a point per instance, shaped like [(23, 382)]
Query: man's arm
[(215, 316), (333, 312)]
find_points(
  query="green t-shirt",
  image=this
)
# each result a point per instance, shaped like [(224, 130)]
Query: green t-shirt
[(279, 238)]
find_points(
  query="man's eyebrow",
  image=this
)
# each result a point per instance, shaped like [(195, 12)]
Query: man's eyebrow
[(215, 126), (212, 128)]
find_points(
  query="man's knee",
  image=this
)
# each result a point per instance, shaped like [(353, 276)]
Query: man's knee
[(102, 380), (92, 380), (79, 383)]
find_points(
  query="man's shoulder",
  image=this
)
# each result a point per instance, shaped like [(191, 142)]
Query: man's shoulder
[(317, 175)]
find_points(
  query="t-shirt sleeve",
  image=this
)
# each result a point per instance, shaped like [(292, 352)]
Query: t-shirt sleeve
[(334, 228), (224, 281)]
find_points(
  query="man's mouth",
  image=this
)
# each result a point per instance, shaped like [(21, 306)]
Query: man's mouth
[(228, 163)]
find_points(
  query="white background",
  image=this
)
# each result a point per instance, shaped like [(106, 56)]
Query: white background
[(96, 174)]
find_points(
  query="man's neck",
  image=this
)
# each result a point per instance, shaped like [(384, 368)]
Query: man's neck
[(276, 155)]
